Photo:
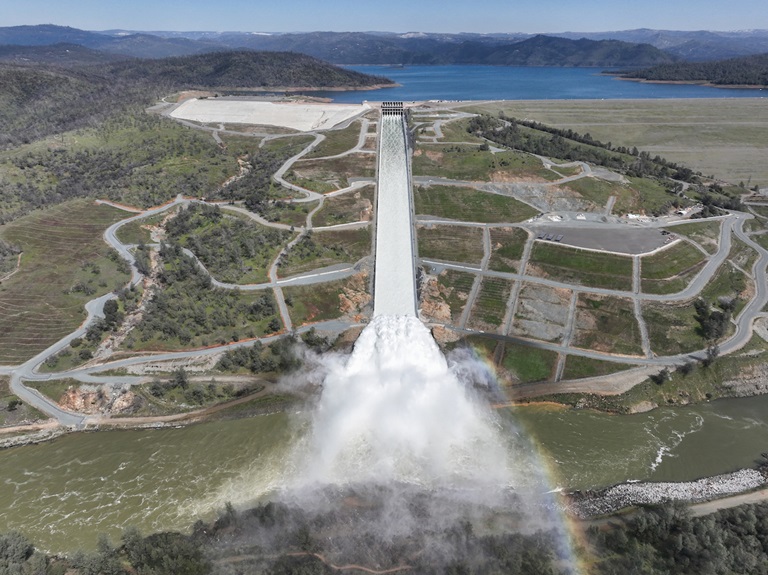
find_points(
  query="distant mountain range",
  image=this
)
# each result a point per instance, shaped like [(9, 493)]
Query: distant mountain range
[(641, 47)]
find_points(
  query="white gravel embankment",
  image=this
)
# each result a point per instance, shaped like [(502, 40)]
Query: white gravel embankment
[(593, 504)]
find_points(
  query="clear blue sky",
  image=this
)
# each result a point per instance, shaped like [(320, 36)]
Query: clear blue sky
[(531, 16)]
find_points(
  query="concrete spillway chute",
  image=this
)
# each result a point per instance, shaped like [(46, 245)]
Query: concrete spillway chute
[(394, 274)]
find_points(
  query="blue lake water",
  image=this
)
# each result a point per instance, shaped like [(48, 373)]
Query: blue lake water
[(520, 83)]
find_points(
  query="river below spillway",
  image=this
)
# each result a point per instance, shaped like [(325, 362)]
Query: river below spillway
[(65, 492)]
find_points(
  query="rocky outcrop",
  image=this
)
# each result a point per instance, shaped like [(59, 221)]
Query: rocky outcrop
[(605, 502), (101, 399)]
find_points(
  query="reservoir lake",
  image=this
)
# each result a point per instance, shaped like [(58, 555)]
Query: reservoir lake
[(419, 83)]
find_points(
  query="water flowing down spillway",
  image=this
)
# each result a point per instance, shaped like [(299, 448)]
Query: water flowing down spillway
[(397, 412), (394, 287)]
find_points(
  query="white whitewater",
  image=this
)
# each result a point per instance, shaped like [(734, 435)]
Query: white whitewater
[(396, 412)]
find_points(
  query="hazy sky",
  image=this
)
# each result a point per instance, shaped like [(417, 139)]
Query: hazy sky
[(530, 16)]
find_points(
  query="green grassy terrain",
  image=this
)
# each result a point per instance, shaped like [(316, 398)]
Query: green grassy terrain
[(53, 389), (12, 410), (324, 248), (491, 303), (288, 212), (742, 255), (471, 164), (328, 175), (467, 204), (582, 267), (316, 302), (65, 264), (337, 141), (607, 324), (639, 195), (451, 243), (135, 232), (351, 207), (700, 384), (728, 282), (456, 131), (520, 364), (672, 329), (507, 245), (706, 234), (714, 136), (671, 269)]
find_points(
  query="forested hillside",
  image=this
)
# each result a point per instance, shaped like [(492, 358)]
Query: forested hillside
[(37, 100), (746, 71)]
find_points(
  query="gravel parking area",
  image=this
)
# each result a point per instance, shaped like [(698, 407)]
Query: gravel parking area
[(622, 240)]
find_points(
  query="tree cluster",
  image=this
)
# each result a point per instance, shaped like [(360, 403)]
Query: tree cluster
[(187, 309), (279, 356), (140, 159), (229, 247), (569, 145), (743, 71), (8, 254), (713, 323), (667, 539)]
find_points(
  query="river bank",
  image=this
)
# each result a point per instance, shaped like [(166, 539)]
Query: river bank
[(588, 504)]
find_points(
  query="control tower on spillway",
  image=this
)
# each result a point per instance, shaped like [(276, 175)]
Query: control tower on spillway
[(394, 287)]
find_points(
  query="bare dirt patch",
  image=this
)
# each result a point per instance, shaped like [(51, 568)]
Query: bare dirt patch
[(542, 312)]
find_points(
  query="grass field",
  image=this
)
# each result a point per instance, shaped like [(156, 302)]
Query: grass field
[(672, 329), (325, 248), (467, 204), (289, 213), (337, 141), (314, 303), (607, 324), (728, 282), (490, 304), (350, 207), (468, 163), (54, 388), (577, 367), (670, 270), (135, 232), (723, 137), (520, 363), (581, 267), (638, 195), (65, 264), (456, 131), (507, 245), (451, 243), (328, 175), (742, 255), (706, 234), (597, 191)]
